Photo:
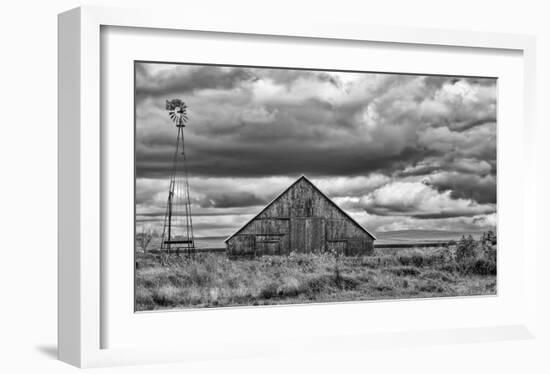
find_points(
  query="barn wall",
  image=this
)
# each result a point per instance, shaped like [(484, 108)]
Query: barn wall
[(357, 246), (301, 219), (302, 200), (265, 232), (241, 245)]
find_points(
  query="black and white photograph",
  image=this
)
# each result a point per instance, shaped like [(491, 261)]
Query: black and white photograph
[(261, 186), (280, 187)]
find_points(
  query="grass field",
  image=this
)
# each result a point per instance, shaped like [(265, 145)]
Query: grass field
[(212, 280)]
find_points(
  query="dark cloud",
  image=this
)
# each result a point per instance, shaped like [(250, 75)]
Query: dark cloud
[(428, 137), (466, 125), (451, 162), (466, 186), (396, 210), (160, 214), (435, 82), (446, 214), (284, 159), (226, 200), (182, 80)]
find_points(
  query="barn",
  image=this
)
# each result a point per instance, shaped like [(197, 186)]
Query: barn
[(302, 219)]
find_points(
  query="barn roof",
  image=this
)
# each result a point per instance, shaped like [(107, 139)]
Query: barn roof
[(303, 177)]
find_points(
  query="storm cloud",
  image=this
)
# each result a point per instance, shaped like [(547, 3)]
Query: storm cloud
[(396, 151)]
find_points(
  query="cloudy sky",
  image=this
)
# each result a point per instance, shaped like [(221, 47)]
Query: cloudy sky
[(395, 151)]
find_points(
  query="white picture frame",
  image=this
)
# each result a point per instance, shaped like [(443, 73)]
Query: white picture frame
[(80, 168)]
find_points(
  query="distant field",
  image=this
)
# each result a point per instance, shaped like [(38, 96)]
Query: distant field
[(212, 280), (422, 236), (404, 237)]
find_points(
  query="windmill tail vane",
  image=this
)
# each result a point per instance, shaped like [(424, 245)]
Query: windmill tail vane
[(177, 233)]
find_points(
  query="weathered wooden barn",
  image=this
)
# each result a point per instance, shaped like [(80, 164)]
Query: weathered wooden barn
[(302, 219)]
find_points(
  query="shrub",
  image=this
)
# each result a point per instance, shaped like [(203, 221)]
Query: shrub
[(489, 237), (317, 284), (291, 287), (404, 260), (269, 290), (465, 249), (165, 295), (421, 257), (347, 283), (417, 260), (143, 239), (488, 243), (477, 257), (483, 266)]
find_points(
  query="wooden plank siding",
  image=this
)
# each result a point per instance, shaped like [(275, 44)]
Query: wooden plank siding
[(307, 234), (301, 219)]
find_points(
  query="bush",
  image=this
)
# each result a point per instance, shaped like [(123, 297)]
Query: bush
[(404, 260), (482, 267), (417, 260), (143, 239), (290, 287), (489, 237), (477, 257), (165, 295), (317, 284), (269, 290), (421, 257), (346, 283), (488, 242), (465, 249)]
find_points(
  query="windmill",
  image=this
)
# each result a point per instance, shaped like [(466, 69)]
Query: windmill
[(177, 233)]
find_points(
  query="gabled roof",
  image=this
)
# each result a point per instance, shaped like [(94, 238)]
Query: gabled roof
[(303, 177)]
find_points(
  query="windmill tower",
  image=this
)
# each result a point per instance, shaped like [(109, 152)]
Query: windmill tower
[(177, 233)]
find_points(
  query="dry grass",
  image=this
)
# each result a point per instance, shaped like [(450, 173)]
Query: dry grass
[(212, 280)]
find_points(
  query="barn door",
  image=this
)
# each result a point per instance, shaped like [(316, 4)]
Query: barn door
[(315, 234), (307, 234), (297, 234)]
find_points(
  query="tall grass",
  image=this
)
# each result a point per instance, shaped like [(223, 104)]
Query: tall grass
[(212, 280)]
